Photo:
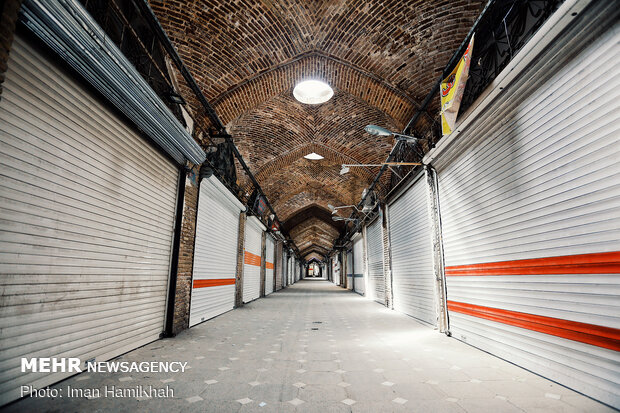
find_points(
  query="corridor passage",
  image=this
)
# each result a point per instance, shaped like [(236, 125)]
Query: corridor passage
[(314, 347)]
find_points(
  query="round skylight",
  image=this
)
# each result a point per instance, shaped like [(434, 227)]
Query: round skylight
[(313, 92), (313, 156)]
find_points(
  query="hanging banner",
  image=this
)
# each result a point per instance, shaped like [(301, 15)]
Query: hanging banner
[(452, 89)]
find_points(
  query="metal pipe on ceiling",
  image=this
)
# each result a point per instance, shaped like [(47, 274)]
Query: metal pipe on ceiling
[(447, 69), (67, 28)]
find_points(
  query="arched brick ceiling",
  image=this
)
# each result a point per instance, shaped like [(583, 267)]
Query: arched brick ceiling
[(380, 56)]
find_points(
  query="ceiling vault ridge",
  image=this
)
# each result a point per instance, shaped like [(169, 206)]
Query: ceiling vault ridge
[(309, 146), (320, 54)]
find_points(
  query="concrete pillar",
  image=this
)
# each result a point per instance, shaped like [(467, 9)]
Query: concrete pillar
[(240, 261)]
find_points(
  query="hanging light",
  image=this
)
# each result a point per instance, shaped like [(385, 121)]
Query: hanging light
[(379, 131)]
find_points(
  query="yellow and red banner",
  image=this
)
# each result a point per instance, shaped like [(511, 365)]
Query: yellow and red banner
[(452, 89)]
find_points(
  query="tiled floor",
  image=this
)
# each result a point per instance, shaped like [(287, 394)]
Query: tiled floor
[(314, 347)]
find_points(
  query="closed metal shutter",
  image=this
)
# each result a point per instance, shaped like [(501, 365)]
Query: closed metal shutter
[(289, 276), (88, 210), (530, 212), (349, 270), (374, 247), (215, 257), (285, 267), (252, 259), (413, 279), (269, 264), (358, 265), (281, 259)]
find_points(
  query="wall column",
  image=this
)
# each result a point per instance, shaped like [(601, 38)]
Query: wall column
[(240, 261)]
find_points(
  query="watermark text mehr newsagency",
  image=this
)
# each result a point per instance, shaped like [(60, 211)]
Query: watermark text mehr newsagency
[(72, 365)]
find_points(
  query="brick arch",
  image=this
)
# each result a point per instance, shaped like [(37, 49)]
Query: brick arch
[(403, 44), (332, 158), (340, 76), (381, 57), (275, 128)]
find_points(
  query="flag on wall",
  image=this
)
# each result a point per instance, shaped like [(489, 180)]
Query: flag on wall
[(452, 89)]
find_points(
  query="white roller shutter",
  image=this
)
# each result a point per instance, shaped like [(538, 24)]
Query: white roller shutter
[(413, 279), (374, 247), (349, 270), (269, 264), (280, 268), (252, 259), (88, 209), (289, 275), (358, 265), (284, 267), (530, 207), (215, 257)]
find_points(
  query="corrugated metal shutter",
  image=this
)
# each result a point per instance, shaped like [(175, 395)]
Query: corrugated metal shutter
[(289, 275), (358, 265), (252, 259), (413, 279), (281, 257), (215, 257), (349, 270), (88, 211), (374, 247), (530, 214), (269, 264), (285, 273)]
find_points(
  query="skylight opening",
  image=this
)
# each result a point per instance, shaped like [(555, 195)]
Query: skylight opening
[(313, 156), (313, 92)]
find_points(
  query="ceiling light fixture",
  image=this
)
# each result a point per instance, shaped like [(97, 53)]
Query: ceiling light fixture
[(379, 131), (313, 92), (335, 209), (314, 156)]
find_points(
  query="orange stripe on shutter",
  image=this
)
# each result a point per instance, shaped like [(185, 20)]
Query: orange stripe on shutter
[(599, 336), (252, 259), (269, 265), (213, 283), (599, 263)]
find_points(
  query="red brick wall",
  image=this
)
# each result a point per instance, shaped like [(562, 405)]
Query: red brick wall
[(186, 254), (240, 259)]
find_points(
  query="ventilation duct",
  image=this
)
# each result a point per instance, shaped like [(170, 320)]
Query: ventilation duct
[(70, 31)]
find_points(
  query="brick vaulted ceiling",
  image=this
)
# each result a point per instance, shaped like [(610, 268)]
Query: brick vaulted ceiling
[(381, 57)]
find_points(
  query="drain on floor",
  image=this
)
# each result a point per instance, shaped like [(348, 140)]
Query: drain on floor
[(314, 328), (317, 322)]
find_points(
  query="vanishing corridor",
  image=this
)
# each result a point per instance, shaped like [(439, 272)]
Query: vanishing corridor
[(314, 347)]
